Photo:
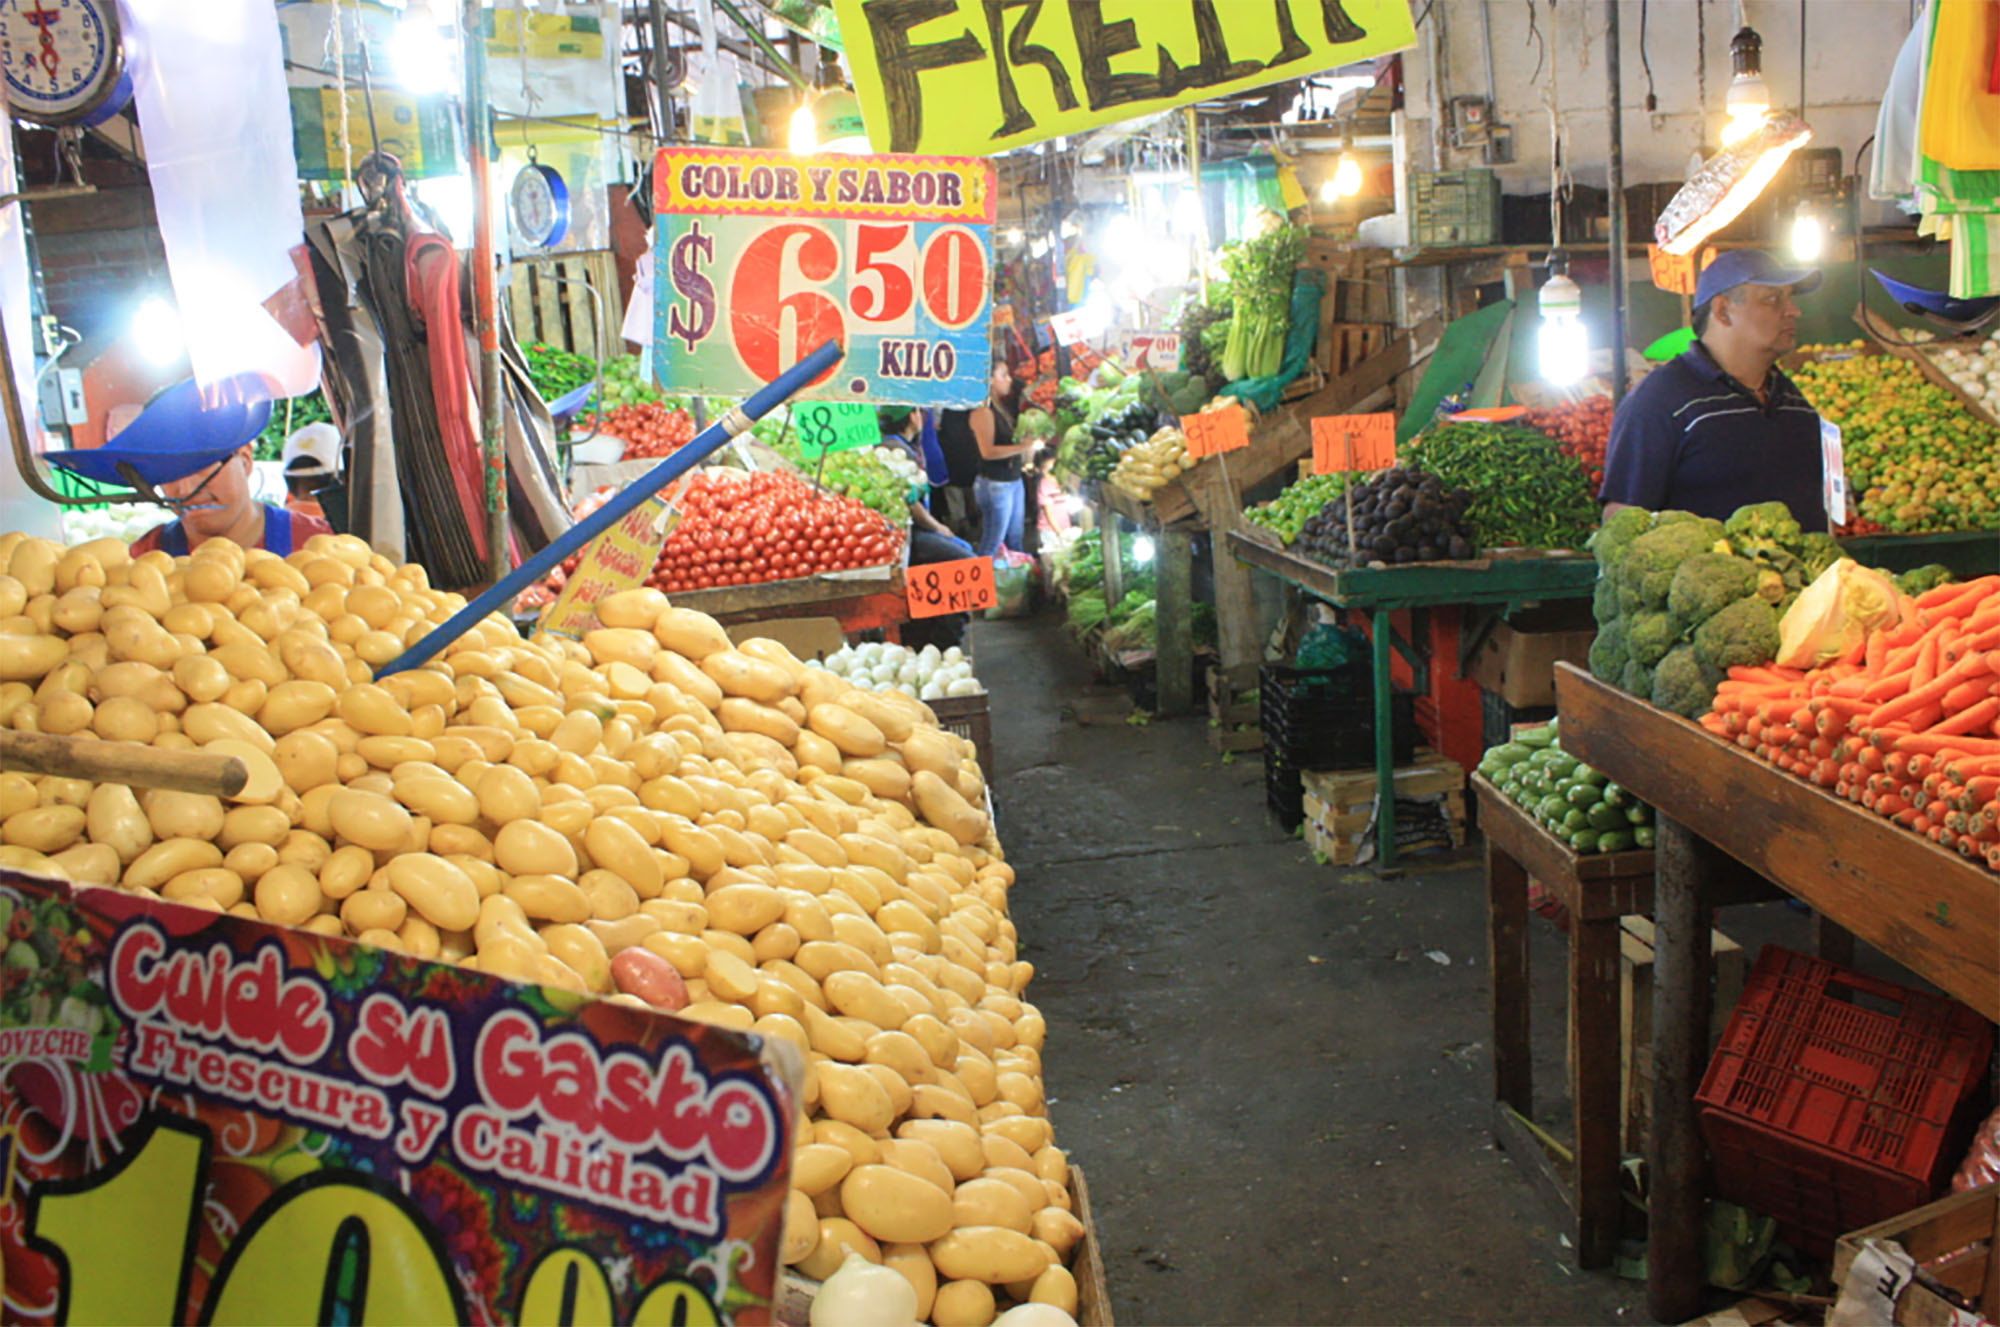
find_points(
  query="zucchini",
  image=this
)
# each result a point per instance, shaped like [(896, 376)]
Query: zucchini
[(1639, 814), (1583, 795), (1643, 836), (1537, 737), (1617, 840), (1604, 817), (1584, 840)]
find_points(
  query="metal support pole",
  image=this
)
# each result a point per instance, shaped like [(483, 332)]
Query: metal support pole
[(1621, 295), (485, 299)]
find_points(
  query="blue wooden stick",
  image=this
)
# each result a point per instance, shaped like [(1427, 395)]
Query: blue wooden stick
[(666, 472)]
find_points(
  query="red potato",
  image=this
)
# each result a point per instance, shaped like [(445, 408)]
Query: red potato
[(639, 971)]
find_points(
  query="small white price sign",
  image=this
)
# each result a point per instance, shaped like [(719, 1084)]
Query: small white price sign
[(1833, 472)]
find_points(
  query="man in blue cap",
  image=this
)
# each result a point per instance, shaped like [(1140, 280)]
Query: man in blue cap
[(1720, 426)]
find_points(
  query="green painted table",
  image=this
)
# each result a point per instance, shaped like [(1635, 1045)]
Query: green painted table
[(1507, 581), (1969, 553)]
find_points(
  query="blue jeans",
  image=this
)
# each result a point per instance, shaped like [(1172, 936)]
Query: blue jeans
[(930, 546), (1002, 503)]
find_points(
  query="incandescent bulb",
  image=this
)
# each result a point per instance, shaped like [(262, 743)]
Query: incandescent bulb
[(1347, 176)]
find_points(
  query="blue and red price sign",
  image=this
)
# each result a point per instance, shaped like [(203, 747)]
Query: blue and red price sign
[(762, 256)]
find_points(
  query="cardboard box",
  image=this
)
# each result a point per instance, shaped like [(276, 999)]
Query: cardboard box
[(1518, 663), (806, 637)]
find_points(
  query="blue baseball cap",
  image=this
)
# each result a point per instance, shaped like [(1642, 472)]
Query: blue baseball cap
[(181, 432), (1738, 267)]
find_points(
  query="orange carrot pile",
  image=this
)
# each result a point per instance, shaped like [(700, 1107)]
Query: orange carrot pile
[(1907, 724)]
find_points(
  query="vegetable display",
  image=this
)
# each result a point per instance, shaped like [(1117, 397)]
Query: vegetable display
[(556, 373), (1399, 516), (651, 815), (1906, 722), (1196, 318), (1260, 279), (1525, 492), (1152, 464), (651, 429), (927, 674), (124, 521), (1582, 431), (883, 479), (624, 385), (1286, 515), (747, 529), (1916, 460), (1681, 598), (1571, 800)]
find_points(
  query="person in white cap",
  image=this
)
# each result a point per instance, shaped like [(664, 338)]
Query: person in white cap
[(312, 461)]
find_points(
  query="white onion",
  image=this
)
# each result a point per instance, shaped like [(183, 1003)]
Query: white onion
[(926, 674)]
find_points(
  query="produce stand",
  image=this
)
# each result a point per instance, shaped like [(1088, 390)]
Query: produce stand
[(871, 603), (1378, 592), (1969, 553), (1208, 499), (1920, 905)]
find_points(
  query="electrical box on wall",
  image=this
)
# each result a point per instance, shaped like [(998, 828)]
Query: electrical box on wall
[(62, 399)]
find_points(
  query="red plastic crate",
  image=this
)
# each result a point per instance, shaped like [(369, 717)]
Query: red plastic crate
[(1836, 1100)]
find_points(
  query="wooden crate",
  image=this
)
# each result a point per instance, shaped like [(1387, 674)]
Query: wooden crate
[(1635, 1018), (1340, 804), (1350, 343), (1955, 1242), (1232, 723), (549, 302), (971, 717)]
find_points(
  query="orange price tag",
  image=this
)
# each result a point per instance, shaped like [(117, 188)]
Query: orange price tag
[(936, 588), (1674, 273), (1354, 442), (1213, 432)]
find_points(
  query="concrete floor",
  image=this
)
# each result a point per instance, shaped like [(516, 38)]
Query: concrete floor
[(1278, 1092)]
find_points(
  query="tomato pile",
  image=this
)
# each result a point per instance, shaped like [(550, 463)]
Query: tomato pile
[(651, 429), (1582, 430), (746, 529)]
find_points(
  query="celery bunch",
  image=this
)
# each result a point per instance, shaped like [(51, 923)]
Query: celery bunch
[(1260, 273)]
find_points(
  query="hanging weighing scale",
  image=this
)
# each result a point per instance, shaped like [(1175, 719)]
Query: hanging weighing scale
[(64, 61), (539, 203)]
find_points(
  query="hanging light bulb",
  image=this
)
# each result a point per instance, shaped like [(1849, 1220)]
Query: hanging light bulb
[(1749, 100), (804, 135), (1346, 180), (1808, 234), (156, 331), (1562, 342)]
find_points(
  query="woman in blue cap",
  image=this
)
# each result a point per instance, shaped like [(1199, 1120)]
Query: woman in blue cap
[(193, 447)]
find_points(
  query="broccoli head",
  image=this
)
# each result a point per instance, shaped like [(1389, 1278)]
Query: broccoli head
[(1650, 561), (1743, 634), (1674, 518), (1607, 652), (1637, 680), (1818, 553), (1604, 599), (1924, 578), (1619, 529), (1764, 525), (1681, 684), (1706, 584), (1649, 635)]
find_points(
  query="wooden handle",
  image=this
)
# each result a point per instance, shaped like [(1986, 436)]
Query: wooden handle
[(122, 762)]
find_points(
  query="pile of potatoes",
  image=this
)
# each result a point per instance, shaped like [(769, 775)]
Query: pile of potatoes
[(648, 814)]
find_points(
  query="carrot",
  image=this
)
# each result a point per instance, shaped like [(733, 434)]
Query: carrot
[(1853, 687), (1800, 718), (1826, 774), (1968, 848), (1933, 743), (1973, 665), (1877, 651), (1978, 719), (1966, 694), (1993, 856), (1715, 723), (1918, 768), (1820, 748), (1986, 639), (1956, 600), (1891, 686), (1980, 788), (1868, 757), (1888, 804), (1830, 723), (1926, 666)]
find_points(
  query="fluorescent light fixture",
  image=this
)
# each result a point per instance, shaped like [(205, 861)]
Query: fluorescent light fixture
[(1728, 183), (1012, 235), (422, 53), (156, 331), (1142, 548), (804, 135), (1562, 343)]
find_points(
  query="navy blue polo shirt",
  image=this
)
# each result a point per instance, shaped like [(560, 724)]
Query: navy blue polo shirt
[(1691, 438)]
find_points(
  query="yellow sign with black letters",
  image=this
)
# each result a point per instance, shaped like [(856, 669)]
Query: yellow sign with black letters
[(975, 77)]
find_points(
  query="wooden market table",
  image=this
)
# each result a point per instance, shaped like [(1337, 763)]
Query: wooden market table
[(1597, 890), (1928, 909), (1510, 582), (861, 605)]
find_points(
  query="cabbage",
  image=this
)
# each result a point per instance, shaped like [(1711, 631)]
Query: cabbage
[(1836, 612), (1034, 422)]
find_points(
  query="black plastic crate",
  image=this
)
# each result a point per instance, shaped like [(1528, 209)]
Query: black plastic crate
[(1284, 791), (1327, 721)]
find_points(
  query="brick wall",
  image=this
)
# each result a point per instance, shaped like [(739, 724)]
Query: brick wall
[(99, 257)]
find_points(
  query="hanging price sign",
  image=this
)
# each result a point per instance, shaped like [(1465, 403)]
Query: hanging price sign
[(1676, 273), (964, 586), (1068, 328), (1158, 351), (762, 256), (1354, 442), (1833, 472), (834, 426), (216, 1119), (621, 558), (1213, 432)]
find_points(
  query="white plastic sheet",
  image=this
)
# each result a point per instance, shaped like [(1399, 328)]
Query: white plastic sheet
[(209, 81)]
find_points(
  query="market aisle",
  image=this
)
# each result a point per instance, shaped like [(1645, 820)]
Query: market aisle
[(1278, 1098)]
